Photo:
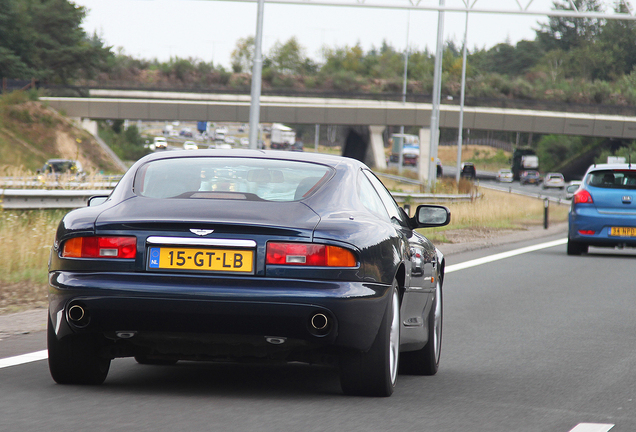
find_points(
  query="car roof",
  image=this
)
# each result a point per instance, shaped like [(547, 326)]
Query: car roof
[(622, 166), (331, 160)]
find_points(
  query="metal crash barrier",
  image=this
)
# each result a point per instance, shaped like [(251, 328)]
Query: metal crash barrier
[(25, 199)]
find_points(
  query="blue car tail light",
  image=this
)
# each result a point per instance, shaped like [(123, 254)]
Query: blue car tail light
[(583, 197)]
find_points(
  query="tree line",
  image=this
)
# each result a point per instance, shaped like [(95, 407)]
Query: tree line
[(577, 60)]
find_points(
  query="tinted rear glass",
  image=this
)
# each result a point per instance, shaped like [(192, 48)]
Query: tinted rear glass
[(612, 179), (230, 178)]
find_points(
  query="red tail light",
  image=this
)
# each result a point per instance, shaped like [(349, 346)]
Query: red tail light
[(100, 247), (587, 232), (309, 254), (583, 197)]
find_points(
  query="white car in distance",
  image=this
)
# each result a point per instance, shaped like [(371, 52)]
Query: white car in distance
[(504, 175), (553, 180)]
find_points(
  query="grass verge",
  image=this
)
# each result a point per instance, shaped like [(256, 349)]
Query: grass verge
[(494, 212), (26, 238)]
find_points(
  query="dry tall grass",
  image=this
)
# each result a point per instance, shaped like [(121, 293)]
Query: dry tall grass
[(25, 243), (496, 211)]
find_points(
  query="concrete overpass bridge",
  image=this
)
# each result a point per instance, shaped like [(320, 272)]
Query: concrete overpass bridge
[(366, 119)]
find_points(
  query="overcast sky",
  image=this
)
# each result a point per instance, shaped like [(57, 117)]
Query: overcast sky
[(209, 29)]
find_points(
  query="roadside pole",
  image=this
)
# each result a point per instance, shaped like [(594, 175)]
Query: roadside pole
[(255, 104)]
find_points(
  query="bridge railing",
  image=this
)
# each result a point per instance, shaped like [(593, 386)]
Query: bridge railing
[(532, 104)]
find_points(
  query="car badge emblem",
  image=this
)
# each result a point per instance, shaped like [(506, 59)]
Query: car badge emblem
[(200, 232), (627, 199)]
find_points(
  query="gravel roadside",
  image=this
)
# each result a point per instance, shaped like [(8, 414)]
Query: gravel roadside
[(468, 240)]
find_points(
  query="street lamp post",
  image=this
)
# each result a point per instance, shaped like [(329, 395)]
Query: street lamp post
[(437, 94), (461, 107), (255, 104), (404, 82)]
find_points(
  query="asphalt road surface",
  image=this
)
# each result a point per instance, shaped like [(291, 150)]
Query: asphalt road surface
[(534, 340)]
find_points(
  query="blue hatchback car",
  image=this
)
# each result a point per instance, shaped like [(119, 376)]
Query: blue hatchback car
[(603, 212)]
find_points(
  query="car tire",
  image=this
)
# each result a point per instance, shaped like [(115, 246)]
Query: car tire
[(576, 248), (149, 360), (75, 359), (426, 360), (374, 373)]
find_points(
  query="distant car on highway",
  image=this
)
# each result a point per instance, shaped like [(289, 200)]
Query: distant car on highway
[(602, 212), (504, 175), (468, 170), (410, 155), (245, 142), (54, 169), (553, 180), (160, 143), (190, 145), (572, 187), (530, 177)]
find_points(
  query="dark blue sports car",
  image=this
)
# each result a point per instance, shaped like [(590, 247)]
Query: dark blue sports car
[(247, 254)]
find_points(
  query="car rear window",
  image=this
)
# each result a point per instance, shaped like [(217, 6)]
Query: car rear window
[(612, 179), (230, 178)]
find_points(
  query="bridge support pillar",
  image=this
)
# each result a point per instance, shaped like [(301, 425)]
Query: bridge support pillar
[(375, 150), (425, 152), (90, 126)]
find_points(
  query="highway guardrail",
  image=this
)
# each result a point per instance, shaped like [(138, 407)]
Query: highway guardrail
[(31, 199)]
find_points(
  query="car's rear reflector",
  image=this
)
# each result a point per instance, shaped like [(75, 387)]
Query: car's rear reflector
[(100, 247), (309, 254), (583, 197), (587, 232)]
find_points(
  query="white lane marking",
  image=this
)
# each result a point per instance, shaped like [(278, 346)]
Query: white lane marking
[(503, 255), (24, 358), (592, 427), (581, 427)]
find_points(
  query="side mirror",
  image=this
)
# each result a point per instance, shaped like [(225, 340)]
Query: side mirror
[(427, 216), (97, 200)]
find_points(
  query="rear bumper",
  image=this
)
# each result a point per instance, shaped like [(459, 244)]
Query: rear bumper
[(589, 219), (218, 309)]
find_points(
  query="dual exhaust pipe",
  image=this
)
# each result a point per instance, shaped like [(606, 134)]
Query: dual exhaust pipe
[(319, 323)]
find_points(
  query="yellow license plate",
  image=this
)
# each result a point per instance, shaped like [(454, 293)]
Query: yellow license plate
[(623, 231), (216, 260)]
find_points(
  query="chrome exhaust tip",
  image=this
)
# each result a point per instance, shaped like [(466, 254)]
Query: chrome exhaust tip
[(320, 324), (319, 321), (77, 315)]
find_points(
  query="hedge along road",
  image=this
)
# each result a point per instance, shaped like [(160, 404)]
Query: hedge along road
[(533, 341)]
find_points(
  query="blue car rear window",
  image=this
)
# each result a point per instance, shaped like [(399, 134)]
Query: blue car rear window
[(612, 179), (230, 178)]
